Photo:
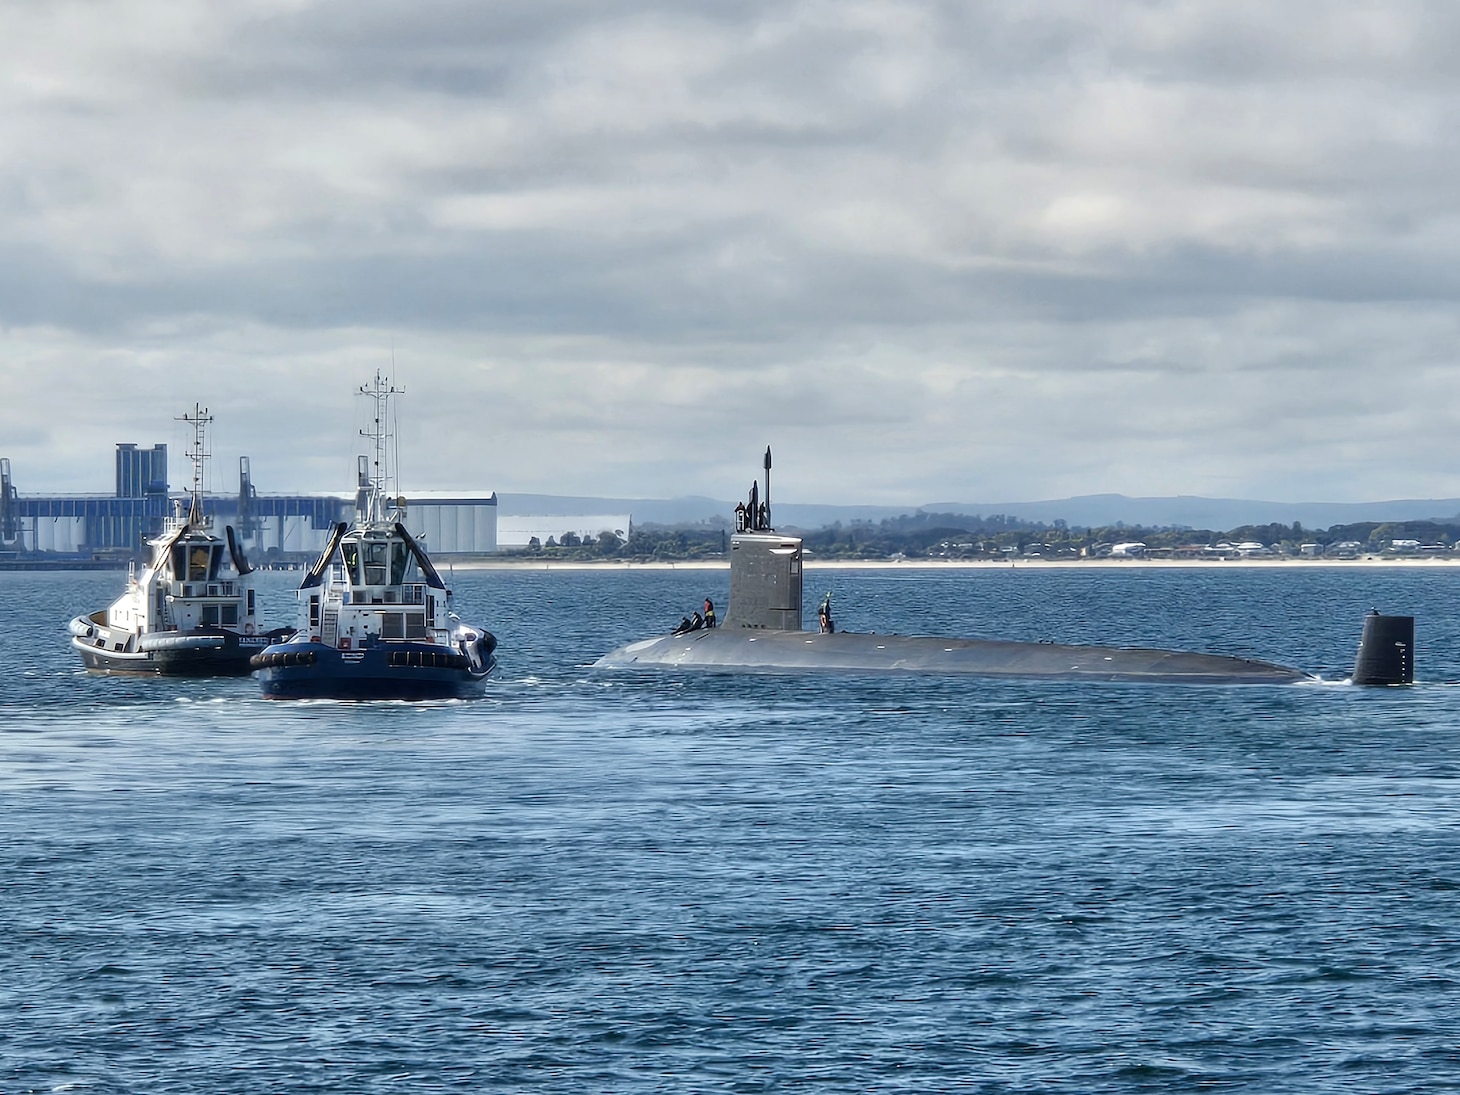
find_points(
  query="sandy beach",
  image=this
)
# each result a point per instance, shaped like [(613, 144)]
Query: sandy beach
[(813, 563)]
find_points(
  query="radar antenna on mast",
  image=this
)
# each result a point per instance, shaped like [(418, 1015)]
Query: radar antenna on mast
[(379, 391), (766, 519), (198, 453), (754, 515)]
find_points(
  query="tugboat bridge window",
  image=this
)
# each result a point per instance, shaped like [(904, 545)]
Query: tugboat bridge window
[(196, 563), (220, 615), (351, 551), (376, 557), (400, 563)]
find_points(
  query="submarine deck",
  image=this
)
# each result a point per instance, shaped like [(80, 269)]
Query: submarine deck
[(770, 651)]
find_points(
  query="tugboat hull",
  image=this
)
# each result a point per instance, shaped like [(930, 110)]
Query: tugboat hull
[(394, 671), (198, 653)]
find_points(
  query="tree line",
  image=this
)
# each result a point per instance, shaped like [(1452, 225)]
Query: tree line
[(956, 536), (949, 535)]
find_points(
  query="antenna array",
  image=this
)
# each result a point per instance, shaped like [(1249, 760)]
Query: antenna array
[(198, 453), (380, 434)]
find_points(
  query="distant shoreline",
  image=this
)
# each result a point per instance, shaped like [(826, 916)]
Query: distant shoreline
[(813, 564), (1366, 561)]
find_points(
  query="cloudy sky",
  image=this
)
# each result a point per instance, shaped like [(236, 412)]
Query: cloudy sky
[(974, 251)]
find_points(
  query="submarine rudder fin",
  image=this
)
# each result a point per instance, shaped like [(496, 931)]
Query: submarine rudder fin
[(1386, 651)]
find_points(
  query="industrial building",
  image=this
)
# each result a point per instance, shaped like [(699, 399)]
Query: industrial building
[(288, 526), (274, 528), (87, 525)]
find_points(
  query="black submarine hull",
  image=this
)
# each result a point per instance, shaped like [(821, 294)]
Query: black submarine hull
[(773, 651)]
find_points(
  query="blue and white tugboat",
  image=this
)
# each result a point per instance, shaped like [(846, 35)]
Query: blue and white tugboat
[(375, 619), (191, 611)]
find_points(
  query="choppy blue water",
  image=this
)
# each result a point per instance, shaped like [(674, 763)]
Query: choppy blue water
[(601, 883)]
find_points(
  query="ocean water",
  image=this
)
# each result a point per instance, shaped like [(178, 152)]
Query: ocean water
[(591, 882)]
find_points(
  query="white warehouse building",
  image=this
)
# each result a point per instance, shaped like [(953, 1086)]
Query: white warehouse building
[(450, 523), (446, 522)]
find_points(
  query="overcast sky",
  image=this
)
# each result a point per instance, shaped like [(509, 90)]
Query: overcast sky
[(975, 251)]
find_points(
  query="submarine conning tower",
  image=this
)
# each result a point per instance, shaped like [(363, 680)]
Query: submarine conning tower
[(765, 567)]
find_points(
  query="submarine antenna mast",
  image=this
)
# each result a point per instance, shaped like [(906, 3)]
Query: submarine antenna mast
[(198, 453), (768, 486)]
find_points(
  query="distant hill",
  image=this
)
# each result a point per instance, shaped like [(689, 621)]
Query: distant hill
[(1096, 510), (689, 511)]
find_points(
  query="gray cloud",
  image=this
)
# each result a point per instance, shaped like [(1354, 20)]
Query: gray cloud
[(928, 250)]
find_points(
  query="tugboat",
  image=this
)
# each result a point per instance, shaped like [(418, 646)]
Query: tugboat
[(191, 610), (375, 619)]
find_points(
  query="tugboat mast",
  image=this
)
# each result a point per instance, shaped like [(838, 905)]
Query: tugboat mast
[(379, 390), (198, 453)]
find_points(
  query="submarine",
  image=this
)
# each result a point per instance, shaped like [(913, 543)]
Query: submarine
[(763, 633)]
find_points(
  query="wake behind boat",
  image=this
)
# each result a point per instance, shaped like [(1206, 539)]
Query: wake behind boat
[(191, 611), (375, 619)]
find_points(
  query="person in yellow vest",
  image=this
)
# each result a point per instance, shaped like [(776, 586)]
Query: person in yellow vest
[(709, 613)]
